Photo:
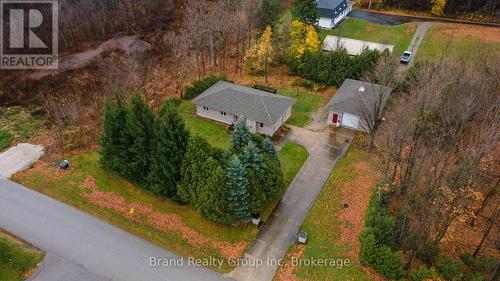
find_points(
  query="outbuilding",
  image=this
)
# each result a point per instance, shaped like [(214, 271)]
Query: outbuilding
[(352, 46), (352, 101)]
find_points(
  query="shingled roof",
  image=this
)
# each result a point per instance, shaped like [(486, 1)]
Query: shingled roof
[(348, 97), (244, 101), (327, 8)]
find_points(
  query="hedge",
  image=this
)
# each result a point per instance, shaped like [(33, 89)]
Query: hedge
[(199, 86)]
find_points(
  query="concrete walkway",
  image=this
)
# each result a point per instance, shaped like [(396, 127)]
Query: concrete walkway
[(19, 158), (81, 247), (273, 241)]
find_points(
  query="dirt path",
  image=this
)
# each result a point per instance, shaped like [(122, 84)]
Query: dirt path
[(415, 43), (129, 44)]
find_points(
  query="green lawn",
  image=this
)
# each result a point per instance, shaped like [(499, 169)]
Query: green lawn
[(458, 40), (398, 35), (16, 258), (65, 187), (292, 156), (306, 104), (323, 226), (214, 132)]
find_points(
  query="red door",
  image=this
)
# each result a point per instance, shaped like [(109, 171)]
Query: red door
[(335, 118)]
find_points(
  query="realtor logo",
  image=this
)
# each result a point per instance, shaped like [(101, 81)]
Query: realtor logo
[(28, 34)]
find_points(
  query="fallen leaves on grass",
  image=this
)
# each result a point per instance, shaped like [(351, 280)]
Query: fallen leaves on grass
[(356, 194), (158, 220), (285, 272)]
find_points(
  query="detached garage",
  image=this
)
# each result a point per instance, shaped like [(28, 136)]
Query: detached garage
[(353, 99)]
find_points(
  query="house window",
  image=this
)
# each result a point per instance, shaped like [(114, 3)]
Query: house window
[(261, 125), (223, 113), (205, 108)]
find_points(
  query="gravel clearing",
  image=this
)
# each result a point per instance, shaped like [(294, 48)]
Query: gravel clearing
[(19, 158)]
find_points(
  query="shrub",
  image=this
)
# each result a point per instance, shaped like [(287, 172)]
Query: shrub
[(421, 274), (477, 277), (385, 261), (449, 269), (478, 264), (199, 86), (429, 253), (175, 102), (382, 223)]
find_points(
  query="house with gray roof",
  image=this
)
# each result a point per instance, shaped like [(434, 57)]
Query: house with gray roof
[(332, 12), (226, 102), (353, 104)]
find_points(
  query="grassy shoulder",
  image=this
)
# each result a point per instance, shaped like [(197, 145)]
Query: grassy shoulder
[(332, 230), (398, 35), (458, 40), (17, 258), (157, 219)]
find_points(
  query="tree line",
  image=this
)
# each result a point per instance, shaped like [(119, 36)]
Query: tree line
[(488, 8), (437, 152), (156, 151)]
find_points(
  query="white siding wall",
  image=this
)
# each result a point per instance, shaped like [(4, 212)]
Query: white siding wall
[(325, 23), (252, 125), (331, 23), (215, 115)]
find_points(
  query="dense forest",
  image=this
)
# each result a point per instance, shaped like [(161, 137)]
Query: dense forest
[(487, 9)]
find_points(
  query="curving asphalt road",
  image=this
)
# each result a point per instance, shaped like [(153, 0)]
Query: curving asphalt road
[(80, 247)]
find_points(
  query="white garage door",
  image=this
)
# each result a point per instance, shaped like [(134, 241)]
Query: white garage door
[(349, 120)]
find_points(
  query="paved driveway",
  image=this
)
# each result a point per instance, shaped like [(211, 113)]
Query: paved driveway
[(18, 158), (81, 247), (272, 243)]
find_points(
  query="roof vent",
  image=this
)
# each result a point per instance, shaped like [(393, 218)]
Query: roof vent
[(362, 89)]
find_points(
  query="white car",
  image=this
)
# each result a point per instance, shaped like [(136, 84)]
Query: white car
[(406, 57)]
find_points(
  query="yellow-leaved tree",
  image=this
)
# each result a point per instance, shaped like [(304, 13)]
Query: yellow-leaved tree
[(438, 7), (261, 52), (303, 37)]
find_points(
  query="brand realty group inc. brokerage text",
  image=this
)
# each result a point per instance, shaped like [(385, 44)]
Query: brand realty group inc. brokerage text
[(247, 262)]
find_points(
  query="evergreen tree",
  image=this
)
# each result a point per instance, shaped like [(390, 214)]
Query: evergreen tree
[(139, 124), (109, 136), (197, 152), (241, 136), (238, 191), (252, 159), (170, 141), (213, 197), (268, 147), (269, 13), (114, 137), (273, 183), (305, 10)]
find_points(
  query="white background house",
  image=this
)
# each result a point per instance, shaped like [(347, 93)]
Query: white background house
[(332, 12), (226, 102)]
